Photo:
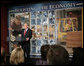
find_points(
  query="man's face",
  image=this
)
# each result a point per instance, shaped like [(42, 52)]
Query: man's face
[(25, 26)]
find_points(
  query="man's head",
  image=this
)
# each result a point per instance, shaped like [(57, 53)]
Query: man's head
[(57, 55), (44, 51), (25, 25)]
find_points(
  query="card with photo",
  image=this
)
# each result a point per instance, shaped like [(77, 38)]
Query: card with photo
[(45, 35), (34, 35), (33, 28), (45, 21), (51, 42), (39, 28), (34, 43), (33, 14), (45, 28), (38, 49), (39, 42), (38, 21), (45, 13), (45, 41), (39, 14), (39, 35), (51, 20), (33, 22), (51, 35), (33, 50), (52, 28), (51, 14)]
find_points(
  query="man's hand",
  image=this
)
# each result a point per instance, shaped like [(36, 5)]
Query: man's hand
[(27, 39)]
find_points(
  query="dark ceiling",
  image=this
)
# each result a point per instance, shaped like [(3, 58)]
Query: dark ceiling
[(19, 2)]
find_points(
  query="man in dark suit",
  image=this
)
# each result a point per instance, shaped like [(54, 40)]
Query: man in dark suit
[(26, 36)]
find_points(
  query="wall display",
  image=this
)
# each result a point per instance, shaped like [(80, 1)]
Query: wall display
[(48, 21)]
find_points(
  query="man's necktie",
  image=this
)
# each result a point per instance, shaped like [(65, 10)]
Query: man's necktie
[(24, 32)]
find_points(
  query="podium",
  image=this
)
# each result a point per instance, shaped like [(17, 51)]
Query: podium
[(74, 39)]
